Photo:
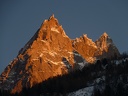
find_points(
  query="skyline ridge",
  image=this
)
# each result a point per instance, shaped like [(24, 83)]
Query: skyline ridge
[(20, 19)]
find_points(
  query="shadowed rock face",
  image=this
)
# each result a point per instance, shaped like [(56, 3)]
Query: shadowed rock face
[(50, 52), (106, 47)]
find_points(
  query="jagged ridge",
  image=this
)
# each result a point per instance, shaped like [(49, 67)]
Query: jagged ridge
[(50, 52)]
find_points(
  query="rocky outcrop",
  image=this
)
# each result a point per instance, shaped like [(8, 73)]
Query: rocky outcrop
[(86, 47), (50, 52), (106, 47)]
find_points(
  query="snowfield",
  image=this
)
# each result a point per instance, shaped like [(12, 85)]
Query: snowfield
[(88, 91)]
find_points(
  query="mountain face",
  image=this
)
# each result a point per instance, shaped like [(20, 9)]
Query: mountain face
[(86, 47), (106, 47), (50, 52)]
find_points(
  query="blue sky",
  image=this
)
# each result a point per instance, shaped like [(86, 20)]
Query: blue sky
[(20, 19)]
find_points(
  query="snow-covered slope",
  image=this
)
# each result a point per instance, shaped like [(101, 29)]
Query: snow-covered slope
[(88, 91)]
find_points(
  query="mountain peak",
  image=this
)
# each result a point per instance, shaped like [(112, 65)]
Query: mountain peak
[(104, 38), (85, 36), (105, 34), (104, 41), (106, 46), (51, 22), (52, 16)]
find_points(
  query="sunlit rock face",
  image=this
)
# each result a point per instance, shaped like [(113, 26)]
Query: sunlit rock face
[(50, 52), (101, 48), (106, 47), (86, 47)]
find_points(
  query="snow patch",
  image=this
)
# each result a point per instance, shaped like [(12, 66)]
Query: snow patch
[(52, 53), (54, 29), (55, 63), (76, 54), (70, 52), (98, 80), (88, 91), (41, 55), (81, 64), (43, 41)]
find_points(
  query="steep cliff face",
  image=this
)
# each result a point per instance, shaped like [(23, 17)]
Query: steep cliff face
[(101, 48), (106, 47), (50, 52), (86, 47)]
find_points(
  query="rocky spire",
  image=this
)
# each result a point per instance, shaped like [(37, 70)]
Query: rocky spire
[(106, 46), (52, 16), (103, 41), (105, 34), (86, 47)]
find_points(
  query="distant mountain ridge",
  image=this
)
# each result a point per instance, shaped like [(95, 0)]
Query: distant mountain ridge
[(50, 52)]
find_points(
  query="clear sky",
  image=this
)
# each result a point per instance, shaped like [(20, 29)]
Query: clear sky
[(20, 19)]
